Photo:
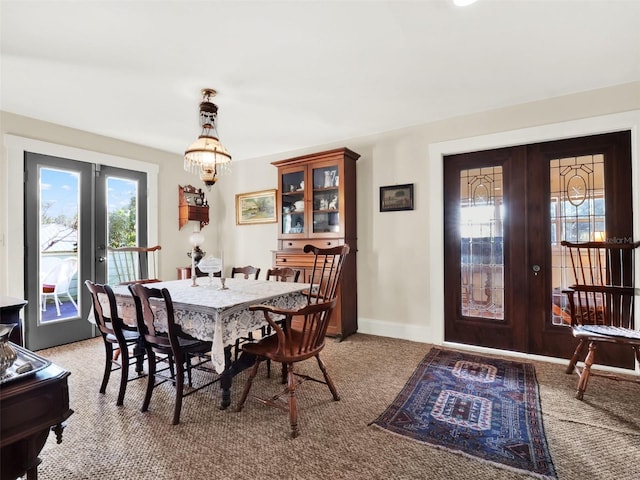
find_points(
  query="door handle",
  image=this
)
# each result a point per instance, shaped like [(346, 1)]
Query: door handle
[(101, 259), (536, 269)]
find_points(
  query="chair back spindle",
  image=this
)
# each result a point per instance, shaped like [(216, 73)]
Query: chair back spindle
[(326, 273), (602, 288), (135, 264)]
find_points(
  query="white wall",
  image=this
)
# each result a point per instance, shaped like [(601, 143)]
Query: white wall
[(399, 253)]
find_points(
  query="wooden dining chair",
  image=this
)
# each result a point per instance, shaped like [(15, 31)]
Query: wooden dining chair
[(135, 264), (179, 347), (283, 274), (601, 301), (294, 342), (246, 272), (118, 338)]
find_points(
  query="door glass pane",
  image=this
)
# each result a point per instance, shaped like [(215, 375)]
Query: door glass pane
[(58, 234), (122, 219), (293, 202), (577, 215), (326, 216), (481, 235)]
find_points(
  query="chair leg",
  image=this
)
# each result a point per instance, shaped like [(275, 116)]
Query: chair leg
[(179, 390), (124, 374), (108, 347), (72, 300), (187, 359), (576, 356), (293, 403), (584, 376), (327, 378), (247, 385), (151, 380), (57, 302)]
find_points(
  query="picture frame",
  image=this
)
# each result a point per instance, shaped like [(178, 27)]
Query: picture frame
[(256, 207), (396, 197)]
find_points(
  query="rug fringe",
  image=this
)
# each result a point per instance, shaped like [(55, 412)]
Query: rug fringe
[(471, 457)]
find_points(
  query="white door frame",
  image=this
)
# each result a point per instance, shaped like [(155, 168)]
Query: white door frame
[(12, 275)]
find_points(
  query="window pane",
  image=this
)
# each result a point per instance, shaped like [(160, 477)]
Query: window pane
[(58, 235)]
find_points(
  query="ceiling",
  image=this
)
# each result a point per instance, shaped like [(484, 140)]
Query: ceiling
[(296, 74)]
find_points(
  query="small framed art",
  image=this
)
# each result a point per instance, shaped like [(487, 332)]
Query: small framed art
[(256, 207), (396, 197)]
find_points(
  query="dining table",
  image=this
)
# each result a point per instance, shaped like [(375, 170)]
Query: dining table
[(208, 312)]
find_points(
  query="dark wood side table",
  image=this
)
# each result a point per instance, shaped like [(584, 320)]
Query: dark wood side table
[(10, 313), (185, 273), (29, 408)]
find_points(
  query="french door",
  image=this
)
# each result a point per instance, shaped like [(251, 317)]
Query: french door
[(73, 211), (506, 212)]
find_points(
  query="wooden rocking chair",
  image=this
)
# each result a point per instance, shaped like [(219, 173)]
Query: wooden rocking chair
[(601, 301)]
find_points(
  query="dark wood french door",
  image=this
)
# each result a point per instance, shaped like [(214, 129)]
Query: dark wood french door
[(506, 212)]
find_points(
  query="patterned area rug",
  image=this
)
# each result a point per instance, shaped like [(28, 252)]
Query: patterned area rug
[(481, 407)]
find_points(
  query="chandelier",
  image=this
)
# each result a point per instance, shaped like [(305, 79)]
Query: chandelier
[(206, 154)]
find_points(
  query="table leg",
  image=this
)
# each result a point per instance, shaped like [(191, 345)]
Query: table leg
[(232, 368), (226, 379)]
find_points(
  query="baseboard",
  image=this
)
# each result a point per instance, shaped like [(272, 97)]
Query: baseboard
[(421, 333), (414, 333)]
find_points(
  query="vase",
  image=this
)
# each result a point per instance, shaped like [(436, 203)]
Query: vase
[(329, 178), (7, 353)]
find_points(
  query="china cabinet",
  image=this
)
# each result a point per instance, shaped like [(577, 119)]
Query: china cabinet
[(317, 204), (192, 206)]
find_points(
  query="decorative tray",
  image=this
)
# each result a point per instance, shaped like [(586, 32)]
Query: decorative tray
[(20, 368)]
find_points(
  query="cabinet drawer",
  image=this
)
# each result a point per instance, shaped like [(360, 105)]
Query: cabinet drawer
[(320, 243), (294, 260)]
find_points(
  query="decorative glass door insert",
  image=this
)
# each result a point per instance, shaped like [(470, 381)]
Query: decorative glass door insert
[(481, 243), (577, 215)]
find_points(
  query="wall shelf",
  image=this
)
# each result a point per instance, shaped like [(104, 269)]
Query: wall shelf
[(192, 206)]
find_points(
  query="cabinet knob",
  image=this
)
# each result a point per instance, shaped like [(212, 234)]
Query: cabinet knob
[(290, 243)]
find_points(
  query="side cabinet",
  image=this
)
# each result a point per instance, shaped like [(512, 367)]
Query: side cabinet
[(317, 204)]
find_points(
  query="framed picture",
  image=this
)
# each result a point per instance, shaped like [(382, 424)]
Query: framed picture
[(256, 207), (396, 197)]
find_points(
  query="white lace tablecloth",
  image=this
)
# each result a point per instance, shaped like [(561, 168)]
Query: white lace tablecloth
[(220, 316)]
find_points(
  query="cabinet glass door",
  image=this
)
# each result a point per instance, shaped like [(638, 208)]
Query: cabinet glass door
[(325, 199), (293, 203)]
